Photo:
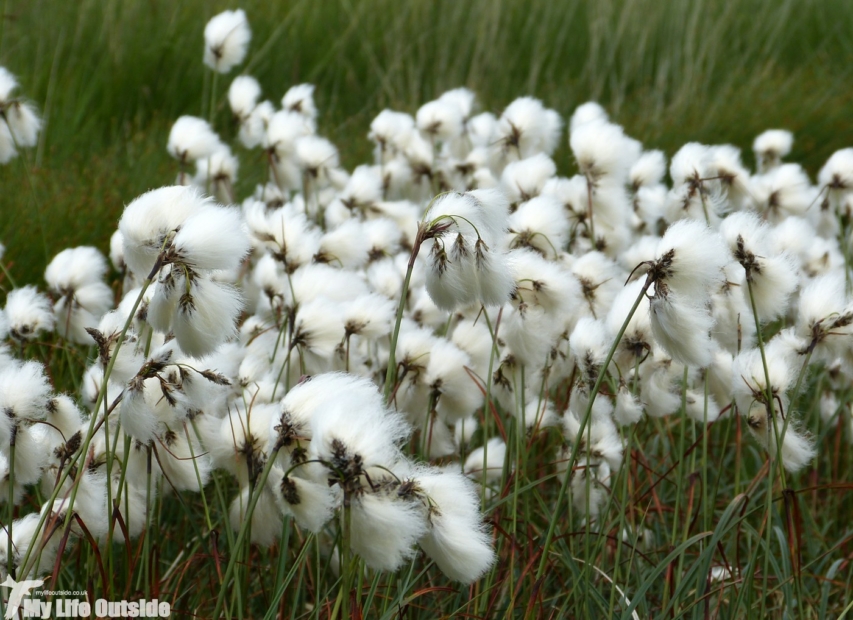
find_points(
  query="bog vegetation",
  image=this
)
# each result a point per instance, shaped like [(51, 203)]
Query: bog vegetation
[(463, 376)]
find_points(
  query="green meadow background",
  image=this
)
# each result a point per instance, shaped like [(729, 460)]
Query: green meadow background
[(110, 76)]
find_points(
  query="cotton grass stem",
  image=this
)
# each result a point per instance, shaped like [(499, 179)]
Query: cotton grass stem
[(552, 525)]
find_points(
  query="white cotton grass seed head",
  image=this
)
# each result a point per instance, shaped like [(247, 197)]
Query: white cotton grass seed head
[(589, 344), (682, 328), (217, 173), (455, 392), (73, 268), (486, 463), (637, 340), (212, 238), (648, 170), (7, 144), (600, 441), (363, 189), (770, 147), (28, 313), (226, 38), (243, 95), (205, 316), (373, 434), (440, 120), (346, 245), (457, 539), (148, 222), (691, 257), (749, 380), (729, 174), (596, 282), (539, 414), (836, 176), (588, 113), (539, 282), (369, 315), (541, 225), (253, 128), (25, 391), (310, 503), (390, 131), (461, 265), (529, 333), (603, 150), (463, 98), (522, 180), (316, 155), (306, 400), (627, 409), (526, 127), (783, 192), (81, 309), (385, 528), (314, 281), (300, 99), (825, 315), (117, 251), (481, 129), (192, 138), (773, 278), (8, 83), (283, 130), (23, 123)]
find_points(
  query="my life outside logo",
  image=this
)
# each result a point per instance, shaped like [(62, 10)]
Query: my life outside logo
[(72, 607)]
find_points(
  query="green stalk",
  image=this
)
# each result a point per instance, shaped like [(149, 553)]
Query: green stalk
[(391, 372), (212, 111), (775, 461), (146, 542), (241, 536), (11, 499)]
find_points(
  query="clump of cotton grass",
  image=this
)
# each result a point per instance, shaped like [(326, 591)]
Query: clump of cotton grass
[(226, 38), (771, 276), (19, 120), (465, 262), (388, 504), (179, 238), (766, 406)]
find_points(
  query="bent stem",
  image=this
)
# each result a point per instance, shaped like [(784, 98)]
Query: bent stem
[(779, 437), (552, 525), (391, 372)]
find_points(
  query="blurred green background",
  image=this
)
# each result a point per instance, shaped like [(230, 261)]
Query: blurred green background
[(110, 76)]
